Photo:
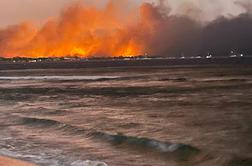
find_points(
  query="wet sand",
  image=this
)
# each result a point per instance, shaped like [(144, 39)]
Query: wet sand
[(5, 161)]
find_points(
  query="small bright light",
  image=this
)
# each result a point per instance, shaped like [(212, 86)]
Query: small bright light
[(209, 56)]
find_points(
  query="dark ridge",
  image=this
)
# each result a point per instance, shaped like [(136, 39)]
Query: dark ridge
[(117, 91), (40, 122), (44, 111), (225, 80), (175, 79), (123, 63), (51, 124), (240, 162), (86, 80), (16, 96)]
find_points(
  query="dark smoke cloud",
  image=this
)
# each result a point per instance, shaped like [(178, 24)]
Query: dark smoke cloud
[(245, 4), (182, 35), (223, 35)]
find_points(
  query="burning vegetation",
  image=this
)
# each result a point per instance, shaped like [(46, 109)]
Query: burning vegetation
[(79, 30), (120, 29)]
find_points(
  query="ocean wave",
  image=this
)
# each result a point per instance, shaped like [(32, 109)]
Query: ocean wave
[(11, 93), (148, 143), (223, 80), (43, 159), (175, 79), (60, 78), (240, 162), (115, 139), (51, 124), (37, 159), (40, 122)]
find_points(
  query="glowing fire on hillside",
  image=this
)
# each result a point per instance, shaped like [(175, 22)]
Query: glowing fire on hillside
[(82, 31)]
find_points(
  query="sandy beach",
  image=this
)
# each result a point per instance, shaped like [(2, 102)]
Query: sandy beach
[(5, 161)]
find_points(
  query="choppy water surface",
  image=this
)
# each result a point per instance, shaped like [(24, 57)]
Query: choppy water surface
[(128, 116)]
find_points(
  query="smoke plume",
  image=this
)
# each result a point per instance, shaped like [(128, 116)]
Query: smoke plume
[(123, 29)]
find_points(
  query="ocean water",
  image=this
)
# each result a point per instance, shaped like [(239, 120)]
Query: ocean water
[(146, 116)]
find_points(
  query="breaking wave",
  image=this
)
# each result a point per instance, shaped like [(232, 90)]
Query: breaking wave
[(115, 139), (45, 160), (182, 151), (88, 163)]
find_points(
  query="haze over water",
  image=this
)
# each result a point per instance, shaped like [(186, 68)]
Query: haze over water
[(158, 116)]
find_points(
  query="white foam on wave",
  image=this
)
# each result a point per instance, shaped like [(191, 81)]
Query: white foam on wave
[(88, 163), (47, 160), (37, 159), (164, 147), (63, 78)]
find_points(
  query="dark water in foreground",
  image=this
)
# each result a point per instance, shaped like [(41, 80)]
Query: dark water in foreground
[(179, 116)]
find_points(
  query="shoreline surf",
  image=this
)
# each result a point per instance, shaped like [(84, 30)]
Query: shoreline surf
[(7, 161)]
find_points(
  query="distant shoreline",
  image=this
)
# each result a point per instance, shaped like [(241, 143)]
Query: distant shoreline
[(76, 64), (6, 161)]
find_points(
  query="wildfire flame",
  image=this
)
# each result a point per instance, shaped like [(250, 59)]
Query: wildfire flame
[(80, 30)]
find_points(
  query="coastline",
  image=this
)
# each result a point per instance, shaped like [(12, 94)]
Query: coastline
[(77, 64), (7, 161)]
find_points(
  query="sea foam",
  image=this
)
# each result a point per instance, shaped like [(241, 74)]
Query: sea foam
[(88, 163)]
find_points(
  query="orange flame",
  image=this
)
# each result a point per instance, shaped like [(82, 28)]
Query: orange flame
[(80, 30)]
